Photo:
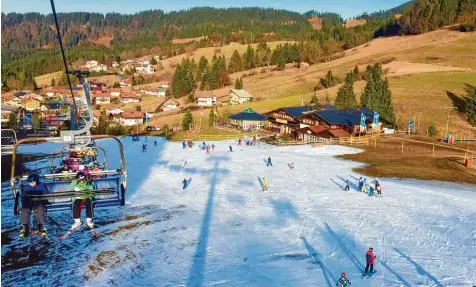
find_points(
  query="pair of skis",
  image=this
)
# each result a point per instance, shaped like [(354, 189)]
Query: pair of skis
[(94, 233), (368, 276)]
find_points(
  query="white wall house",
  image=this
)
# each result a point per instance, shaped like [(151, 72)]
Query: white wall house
[(114, 112), (98, 68), (101, 99), (239, 96), (115, 92), (162, 92), (129, 98), (150, 91), (90, 64), (205, 98), (144, 68), (131, 118), (170, 105)]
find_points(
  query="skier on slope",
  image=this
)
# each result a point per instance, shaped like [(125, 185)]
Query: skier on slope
[(207, 150), (82, 184), (34, 187), (185, 183), (291, 166), (265, 184), (379, 190), (239, 142), (346, 188), (231, 148), (364, 186), (269, 163), (144, 147), (183, 145), (371, 191), (213, 147), (343, 281), (155, 143), (184, 163), (361, 183), (370, 258)]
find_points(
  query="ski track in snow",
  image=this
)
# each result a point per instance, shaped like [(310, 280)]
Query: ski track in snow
[(223, 230)]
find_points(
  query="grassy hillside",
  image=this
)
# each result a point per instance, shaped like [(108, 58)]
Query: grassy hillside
[(419, 87)]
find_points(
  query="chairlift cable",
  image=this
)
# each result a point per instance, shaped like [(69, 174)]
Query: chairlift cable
[(64, 60)]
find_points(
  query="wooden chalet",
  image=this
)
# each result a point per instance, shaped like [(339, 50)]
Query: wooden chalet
[(286, 121)]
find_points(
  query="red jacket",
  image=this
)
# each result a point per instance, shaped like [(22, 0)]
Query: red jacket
[(370, 257)]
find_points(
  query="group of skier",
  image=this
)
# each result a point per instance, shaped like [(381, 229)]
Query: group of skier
[(364, 187)]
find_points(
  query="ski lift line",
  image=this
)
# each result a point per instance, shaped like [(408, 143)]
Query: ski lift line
[(64, 59)]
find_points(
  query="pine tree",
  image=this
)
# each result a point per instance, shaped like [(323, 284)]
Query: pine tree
[(377, 95), (187, 121), (471, 106), (249, 58), (12, 120), (153, 61), (356, 72), (211, 117), (36, 121), (345, 95), (53, 82), (238, 84), (202, 68), (236, 63), (191, 97), (134, 82)]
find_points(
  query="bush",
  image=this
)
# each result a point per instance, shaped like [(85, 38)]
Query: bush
[(432, 130)]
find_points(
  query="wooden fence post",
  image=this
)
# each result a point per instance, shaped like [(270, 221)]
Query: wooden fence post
[(433, 150), (402, 146)]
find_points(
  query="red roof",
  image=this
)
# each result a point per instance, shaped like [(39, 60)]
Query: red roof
[(132, 115), (95, 89), (115, 90), (102, 95), (127, 81), (339, 133), (128, 95), (96, 113), (203, 94), (8, 96)]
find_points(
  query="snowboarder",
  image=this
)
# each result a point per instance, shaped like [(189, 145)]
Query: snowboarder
[(35, 187), (144, 147), (231, 148), (361, 183), (346, 188), (265, 184), (343, 281), (155, 143), (213, 147), (370, 258), (269, 163), (185, 183), (82, 184)]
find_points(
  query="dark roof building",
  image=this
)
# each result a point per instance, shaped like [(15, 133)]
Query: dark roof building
[(248, 119)]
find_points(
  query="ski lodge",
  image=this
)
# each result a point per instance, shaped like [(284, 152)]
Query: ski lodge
[(248, 119)]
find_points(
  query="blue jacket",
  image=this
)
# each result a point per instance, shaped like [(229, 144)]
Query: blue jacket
[(39, 189)]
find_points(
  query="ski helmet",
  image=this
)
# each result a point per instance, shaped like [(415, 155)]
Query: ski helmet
[(33, 178), (342, 274), (371, 249), (80, 175)]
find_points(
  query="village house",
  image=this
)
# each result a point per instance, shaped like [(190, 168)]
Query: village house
[(248, 120), (114, 111), (162, 92), (131, 118), (205, 98), (97, 115), (90, 64), (102, 98), (7, 110), (10, 99), (312, 133), (126, 83), (98, 68), (170, 105), (115, 92), (150, 91), (129, 98), (144, 68), (286, 121), (115, 64), (239, 96), (30, 103)]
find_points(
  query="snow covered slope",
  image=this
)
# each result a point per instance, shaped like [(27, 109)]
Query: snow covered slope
[(223, 230)]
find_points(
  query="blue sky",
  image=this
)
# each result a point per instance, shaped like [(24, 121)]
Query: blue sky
[(347, 8)]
